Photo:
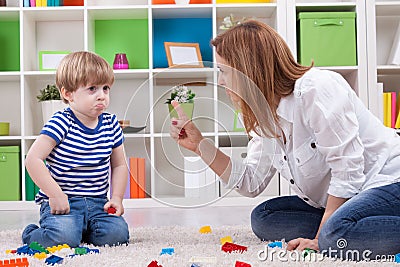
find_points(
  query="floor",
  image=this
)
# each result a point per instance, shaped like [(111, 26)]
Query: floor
[(151, 217)]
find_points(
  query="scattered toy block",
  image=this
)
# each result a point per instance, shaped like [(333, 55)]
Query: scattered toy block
[(205, 229), (276, 244), (226, 239), (53, 259), (36, 246), (18, 262), (57, 248), (111, 210), (154, 264), (26, 250), (397, 258), (40, 255), (231, 247), (241, 264), (168, 251), (194, 265), (308, 251)]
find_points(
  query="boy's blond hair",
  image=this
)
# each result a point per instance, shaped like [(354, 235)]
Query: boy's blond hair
[(82, 69)]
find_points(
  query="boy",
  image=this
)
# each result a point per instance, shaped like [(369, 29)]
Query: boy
[(79, 145)]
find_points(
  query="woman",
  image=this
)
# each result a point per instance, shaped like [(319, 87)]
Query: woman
[(309, 125)]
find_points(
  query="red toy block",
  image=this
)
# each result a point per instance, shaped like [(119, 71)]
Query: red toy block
[(19, 262), (242, 264), (230, 247), (154, 264), (111, 210)]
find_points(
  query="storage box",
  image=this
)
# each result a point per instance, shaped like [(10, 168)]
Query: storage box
[(10, 178), (328, 38)]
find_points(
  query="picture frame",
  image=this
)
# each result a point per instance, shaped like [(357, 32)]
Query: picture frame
[(183, 55), (49, 60), (238, 122)]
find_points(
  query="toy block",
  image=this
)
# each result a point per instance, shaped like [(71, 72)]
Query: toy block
[(276, 244), (38, 247), (11, 251), (93, 250), (397, 258), (308, 251), (81, 251), (40, 255), (205, 229), (194, 265), (57, 248), (25, 250), (111, 210), (168, 251), (226, 239), (53, 259), (154, 264), (241, 264), (230, 247), (19, 262)]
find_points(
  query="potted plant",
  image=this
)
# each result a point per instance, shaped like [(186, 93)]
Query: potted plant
[(184, 97), (51, 102)]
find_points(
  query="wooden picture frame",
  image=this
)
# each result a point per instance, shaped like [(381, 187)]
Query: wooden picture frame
[(49, 60), (183, 55)]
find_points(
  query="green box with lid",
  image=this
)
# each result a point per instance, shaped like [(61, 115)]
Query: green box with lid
[(328, 38), (10, 173)]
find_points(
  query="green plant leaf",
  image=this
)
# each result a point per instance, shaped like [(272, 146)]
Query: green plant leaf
[(51, 92)]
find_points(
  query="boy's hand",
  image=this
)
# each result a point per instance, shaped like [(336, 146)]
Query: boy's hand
[(59, 204), (116, 204)]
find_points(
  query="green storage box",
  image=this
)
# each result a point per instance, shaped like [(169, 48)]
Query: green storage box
[(328, 38), (10, 178)]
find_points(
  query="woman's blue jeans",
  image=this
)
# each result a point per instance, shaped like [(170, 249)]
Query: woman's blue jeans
[(366, 227), (87, 222)]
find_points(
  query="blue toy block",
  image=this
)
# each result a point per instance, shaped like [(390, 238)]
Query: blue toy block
[(275, 244), (397, 258), (168, 251), (194, 265), (53, 259)]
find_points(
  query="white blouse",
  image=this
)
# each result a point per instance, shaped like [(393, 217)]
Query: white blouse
[(334, 145)]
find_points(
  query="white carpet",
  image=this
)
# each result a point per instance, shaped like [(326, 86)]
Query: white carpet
[(147, 243)]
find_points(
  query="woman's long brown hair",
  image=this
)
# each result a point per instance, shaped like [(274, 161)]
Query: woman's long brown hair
[(260, 54)]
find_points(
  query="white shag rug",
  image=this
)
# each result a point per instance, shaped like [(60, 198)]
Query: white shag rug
[(147, 243)]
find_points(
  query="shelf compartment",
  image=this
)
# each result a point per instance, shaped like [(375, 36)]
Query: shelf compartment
[(386, 27), (42, 33), (327, 6), (9, 36), (120, 31), (172, 2), (203, 114), (266, 13), (129, 100), (182, 25), (10, 106)]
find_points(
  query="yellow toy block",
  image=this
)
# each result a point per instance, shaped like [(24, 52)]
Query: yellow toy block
[(205, 229), (40, 256), (226, 239)]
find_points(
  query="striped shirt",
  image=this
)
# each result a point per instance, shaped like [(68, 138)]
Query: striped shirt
[(80, 161)]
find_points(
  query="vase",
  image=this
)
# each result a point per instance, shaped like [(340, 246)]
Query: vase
[(50, 107), (187, 109), (3, 3), (120, 62)]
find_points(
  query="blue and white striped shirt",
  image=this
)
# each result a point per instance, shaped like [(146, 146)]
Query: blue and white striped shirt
[(80, 161)]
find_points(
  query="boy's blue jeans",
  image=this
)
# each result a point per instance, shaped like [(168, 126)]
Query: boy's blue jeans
[(87, 222), (366, 227)]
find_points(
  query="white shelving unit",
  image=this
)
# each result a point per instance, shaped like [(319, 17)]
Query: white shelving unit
[(383, 21), (139, 94)]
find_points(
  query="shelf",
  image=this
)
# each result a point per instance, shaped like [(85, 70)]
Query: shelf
[(388, 70), (326, 6), (9, 76), (388, 8)]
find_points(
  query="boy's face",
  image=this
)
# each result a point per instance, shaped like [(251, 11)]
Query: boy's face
[(89, 101)]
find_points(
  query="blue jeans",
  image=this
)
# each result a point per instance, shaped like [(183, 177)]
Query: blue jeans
[(87, 222), (366, 227)]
